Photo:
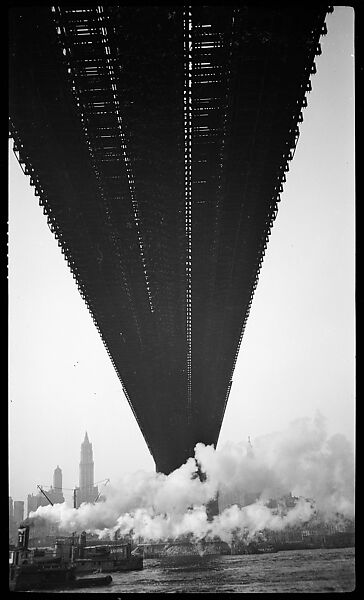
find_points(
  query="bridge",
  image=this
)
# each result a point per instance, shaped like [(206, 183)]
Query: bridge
[(158, 141)]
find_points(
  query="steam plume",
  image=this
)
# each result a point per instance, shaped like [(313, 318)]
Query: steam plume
[(301, 460)]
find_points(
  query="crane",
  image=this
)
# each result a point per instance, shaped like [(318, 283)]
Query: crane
[(106, 482), (74, 490), (44, 494)]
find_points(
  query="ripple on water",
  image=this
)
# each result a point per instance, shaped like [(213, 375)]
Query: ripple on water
[(295, 571)]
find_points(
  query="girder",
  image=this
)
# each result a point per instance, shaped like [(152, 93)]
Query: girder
[(158, 139)]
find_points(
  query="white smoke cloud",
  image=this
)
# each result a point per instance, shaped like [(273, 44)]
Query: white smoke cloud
[(301, 460), (257, 517)]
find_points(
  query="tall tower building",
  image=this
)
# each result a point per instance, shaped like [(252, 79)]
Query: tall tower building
[(87, 492), (56, 492), (57, 479), (86, 464)]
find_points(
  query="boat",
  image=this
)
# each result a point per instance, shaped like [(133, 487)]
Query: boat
[(101, 558), (39, 577), (25, 577), (30, 569)]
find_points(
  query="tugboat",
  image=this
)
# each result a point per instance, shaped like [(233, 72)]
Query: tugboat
[(30, 569), (102, 558)]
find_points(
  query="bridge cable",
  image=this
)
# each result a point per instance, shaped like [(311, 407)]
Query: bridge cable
[(187, 102)]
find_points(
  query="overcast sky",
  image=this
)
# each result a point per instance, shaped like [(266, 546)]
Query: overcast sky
[(297, 355)]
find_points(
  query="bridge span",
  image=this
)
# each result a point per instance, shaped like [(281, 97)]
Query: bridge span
[(158, 140)]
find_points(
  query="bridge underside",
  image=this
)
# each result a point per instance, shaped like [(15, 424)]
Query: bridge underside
[(158, 141)]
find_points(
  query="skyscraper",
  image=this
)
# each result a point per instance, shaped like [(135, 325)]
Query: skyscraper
[(56, 491), (18, 511), (86, 492), (57, 478)]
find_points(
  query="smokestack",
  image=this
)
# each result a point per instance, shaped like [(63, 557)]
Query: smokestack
[(82, 544), (23, 537)]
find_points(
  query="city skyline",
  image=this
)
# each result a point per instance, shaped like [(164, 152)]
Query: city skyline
[(297, 355), (86, 490)]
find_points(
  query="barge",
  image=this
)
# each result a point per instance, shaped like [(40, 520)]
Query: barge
[(30, 569), (101, 558)]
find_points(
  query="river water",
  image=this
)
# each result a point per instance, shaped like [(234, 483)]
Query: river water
[(320, 570)]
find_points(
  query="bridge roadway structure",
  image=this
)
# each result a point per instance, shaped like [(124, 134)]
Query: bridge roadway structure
[(158, 141)]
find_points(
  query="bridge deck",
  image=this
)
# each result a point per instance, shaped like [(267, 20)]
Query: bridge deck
[(158, 141)]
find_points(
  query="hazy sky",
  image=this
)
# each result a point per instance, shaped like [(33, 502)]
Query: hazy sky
[(298, 350)]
